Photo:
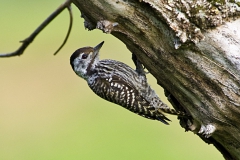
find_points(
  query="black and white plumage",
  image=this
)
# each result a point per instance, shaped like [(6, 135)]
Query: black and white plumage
[(116, 82)]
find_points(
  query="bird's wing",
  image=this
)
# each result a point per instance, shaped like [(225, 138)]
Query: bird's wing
[(119, 91)]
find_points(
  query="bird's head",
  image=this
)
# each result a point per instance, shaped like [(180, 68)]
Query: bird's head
[(84, 59)]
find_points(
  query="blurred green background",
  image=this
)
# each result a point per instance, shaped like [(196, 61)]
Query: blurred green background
[(47, 112)]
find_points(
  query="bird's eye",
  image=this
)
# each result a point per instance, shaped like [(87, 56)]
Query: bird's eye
[(84, 56)]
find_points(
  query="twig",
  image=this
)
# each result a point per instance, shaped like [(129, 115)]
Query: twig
[(69, 30), (28, 40)]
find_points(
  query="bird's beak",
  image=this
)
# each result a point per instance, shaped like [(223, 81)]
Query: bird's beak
[(97, 48)]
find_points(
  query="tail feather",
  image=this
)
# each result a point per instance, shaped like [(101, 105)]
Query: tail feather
[(162, 119), (172, 112)]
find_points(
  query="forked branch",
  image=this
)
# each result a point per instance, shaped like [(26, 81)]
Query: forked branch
[(27, 41)]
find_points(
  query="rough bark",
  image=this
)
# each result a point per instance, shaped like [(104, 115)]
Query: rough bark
[(192, 48)]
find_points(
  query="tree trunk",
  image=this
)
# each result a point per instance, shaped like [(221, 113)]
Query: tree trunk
[(192, 48)]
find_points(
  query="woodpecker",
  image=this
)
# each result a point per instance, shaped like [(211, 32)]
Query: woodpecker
[(118, 83)]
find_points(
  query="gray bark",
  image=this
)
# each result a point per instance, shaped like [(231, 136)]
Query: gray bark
[(192, 48)]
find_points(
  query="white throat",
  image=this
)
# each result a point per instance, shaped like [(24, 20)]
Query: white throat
[(81, 66)]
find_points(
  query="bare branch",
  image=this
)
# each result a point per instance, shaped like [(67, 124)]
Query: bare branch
[(69, 30), (28, 40)]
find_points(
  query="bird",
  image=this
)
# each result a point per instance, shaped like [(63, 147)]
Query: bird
[(118, 83)]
